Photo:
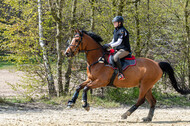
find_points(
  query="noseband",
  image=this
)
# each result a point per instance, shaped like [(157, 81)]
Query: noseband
[(76, 46)]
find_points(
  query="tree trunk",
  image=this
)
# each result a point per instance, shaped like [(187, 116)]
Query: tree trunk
[(68, 76), (69, 72), (188, 37), (59, 60), (59, 46), (149, 29), (138, 43), (92, 28), (57, 15), (50, 80)]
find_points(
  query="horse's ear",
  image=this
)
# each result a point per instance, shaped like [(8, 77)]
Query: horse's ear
[(76, 30)]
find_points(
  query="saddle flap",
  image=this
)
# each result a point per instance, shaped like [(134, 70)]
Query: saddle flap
[(125, 62)]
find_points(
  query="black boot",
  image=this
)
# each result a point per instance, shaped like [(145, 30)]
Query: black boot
[(120, 75)]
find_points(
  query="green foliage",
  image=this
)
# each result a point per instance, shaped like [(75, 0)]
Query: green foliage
[(122, 95)]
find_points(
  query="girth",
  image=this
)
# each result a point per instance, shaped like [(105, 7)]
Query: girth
[(113, 78)]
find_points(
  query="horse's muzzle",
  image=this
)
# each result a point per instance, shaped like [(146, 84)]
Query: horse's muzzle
[(67, 54)]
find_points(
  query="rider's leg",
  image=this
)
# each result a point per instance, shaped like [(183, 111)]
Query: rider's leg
[(120, 54)]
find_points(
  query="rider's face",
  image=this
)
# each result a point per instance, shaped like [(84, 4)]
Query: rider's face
[(116, 24)]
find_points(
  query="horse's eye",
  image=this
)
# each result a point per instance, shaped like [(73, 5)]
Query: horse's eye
[(76, 40)]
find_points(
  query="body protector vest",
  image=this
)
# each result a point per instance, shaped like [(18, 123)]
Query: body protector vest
[(122, 33)]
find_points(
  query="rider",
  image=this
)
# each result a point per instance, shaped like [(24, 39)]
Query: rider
[(120, 43)]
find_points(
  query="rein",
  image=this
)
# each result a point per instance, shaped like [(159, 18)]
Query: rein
[(77, 46), (97, 62)]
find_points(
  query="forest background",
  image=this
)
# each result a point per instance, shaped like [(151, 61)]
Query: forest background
[(34, 33)]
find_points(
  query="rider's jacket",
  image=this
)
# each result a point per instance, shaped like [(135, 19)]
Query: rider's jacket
[(122, 33)]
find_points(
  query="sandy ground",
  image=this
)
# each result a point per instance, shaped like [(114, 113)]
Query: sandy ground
[(37, 114), (8, 76)]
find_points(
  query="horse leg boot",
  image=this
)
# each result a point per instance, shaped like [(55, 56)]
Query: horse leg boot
[(152, 101), (150, 115), (129, 112), (84, 99), (140, 101), (75, 96), (71, 103)]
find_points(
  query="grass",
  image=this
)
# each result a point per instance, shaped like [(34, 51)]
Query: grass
[(6, 65), (94, 101), (171, 100)]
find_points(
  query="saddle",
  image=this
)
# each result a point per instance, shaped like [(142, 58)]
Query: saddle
[(127, 61)]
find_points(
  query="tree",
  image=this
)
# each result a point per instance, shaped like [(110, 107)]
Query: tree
[(68, 71), (50, 80), (186, 15), (56, 9)]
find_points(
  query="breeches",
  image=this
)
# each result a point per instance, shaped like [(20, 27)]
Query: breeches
[(120, 54)]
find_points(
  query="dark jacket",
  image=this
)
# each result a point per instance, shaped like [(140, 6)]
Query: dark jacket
[(122, 33)]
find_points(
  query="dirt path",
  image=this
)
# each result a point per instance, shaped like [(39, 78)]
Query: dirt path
[(95, 117), (8, 76), (44, 115)]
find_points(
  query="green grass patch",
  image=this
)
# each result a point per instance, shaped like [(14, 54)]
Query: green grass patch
[(6, 65), (173, 100), (92, 100), (166, 100), (17, 100)]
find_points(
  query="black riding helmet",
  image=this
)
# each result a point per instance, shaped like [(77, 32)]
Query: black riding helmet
[(118, 19)]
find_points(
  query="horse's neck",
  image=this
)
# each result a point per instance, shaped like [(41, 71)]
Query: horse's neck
[(93, 52)]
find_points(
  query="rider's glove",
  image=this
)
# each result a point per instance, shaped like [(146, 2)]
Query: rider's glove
[(105, 46)]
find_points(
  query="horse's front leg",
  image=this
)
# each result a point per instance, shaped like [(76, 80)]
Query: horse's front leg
[(95, 84), (75, 95)]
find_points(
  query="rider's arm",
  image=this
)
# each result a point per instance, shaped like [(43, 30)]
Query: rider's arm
[(120, 39), (116, 43), (112, 41)]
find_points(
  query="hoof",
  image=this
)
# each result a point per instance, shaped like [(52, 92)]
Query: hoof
[(70, 105), (87, 108), (147, 119), (124, 116)]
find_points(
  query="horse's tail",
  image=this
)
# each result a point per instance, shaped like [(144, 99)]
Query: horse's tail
[(167, 68)]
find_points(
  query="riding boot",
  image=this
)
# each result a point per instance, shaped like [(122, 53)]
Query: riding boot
[(120, 75)]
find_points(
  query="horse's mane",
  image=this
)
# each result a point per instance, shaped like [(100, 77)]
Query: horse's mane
[(94, 36)]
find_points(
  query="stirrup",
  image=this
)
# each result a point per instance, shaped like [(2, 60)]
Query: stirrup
[(121, 76)]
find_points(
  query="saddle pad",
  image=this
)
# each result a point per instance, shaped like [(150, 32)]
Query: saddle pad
[(125, 62)]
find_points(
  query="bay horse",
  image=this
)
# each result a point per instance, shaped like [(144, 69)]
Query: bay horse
[(144, 74)]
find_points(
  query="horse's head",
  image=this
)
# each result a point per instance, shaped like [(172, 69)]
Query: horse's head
[(76, 44)]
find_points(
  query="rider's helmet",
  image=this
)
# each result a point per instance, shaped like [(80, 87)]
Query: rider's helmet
[(118, 19)]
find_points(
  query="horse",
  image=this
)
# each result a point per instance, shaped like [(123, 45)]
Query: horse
[(144, 74)]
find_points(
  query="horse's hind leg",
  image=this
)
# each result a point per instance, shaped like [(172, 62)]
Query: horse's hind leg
[(152, 101), (140, 101)]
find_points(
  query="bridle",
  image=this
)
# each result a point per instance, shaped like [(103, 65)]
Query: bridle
[(77, 46)]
